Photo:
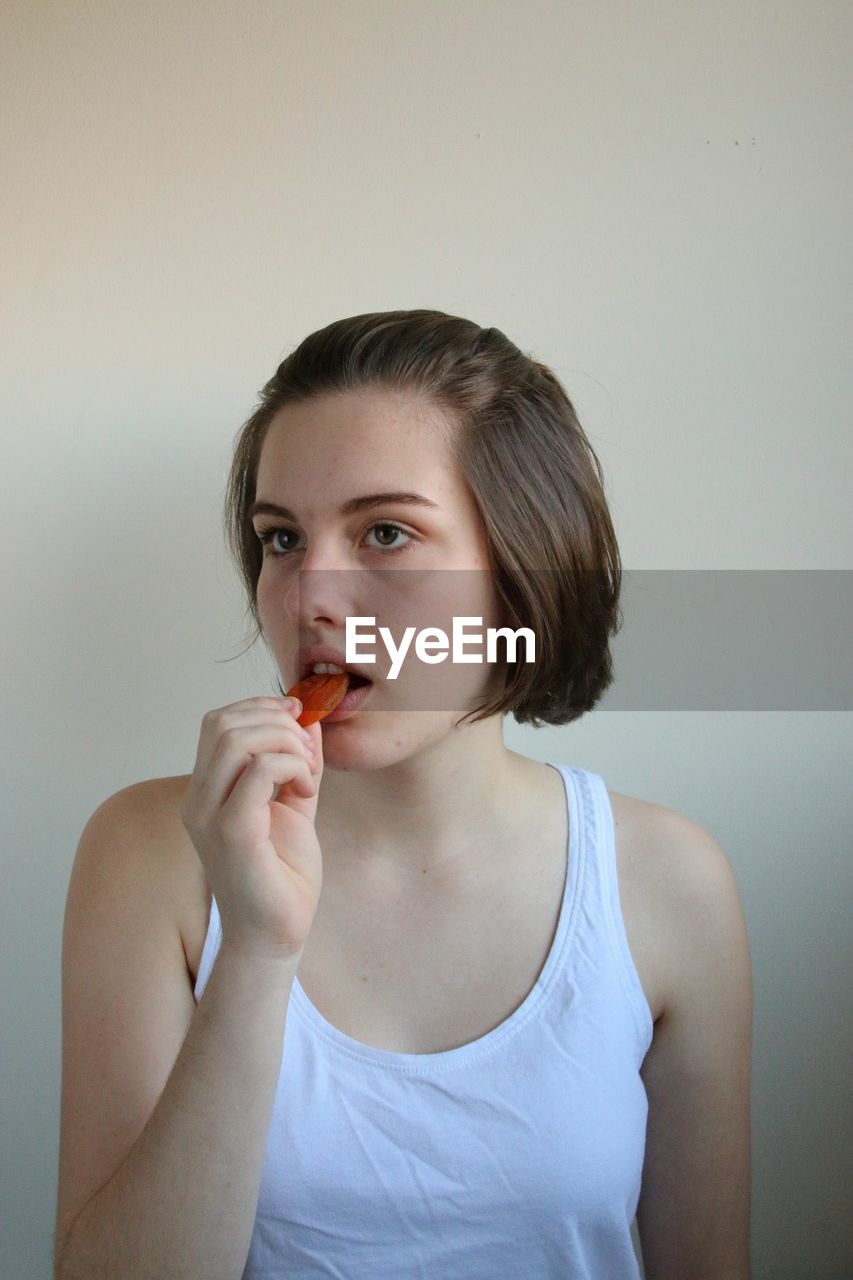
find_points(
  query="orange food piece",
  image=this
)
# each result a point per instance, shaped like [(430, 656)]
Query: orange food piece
[(319, 695)]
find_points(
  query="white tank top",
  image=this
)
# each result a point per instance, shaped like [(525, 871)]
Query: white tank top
[(517, 1154)]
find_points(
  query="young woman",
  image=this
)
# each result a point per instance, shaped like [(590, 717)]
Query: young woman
[(383, 998)]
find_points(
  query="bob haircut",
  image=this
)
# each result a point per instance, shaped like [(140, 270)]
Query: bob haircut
[(517, 441)]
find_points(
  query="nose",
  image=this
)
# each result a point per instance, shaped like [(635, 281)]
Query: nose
[(323, 598)]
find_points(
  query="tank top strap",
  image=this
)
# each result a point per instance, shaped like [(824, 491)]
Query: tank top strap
[(602, 890), (212, 943)]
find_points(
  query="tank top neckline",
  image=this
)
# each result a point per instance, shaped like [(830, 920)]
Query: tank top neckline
[(462, 1055)]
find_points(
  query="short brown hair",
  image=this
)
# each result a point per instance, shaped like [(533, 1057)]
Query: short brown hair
[(536, 479)]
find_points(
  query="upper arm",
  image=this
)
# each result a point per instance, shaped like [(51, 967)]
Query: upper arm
[(694, 1211), (127, 998)]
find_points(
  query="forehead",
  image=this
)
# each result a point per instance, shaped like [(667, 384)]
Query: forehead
[(354, 435)]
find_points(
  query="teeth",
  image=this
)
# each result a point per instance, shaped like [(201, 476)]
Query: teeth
[(327, 668)]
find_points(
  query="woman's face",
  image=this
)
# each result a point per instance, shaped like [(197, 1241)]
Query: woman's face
[(414, 564)]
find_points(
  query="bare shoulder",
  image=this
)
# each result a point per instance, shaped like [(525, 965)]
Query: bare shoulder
[(678, 888), (676, 852), (179, 869)]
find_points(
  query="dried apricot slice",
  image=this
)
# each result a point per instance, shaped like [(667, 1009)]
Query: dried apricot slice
[(319, 695)]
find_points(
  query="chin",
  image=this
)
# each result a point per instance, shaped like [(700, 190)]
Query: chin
[(355, 752), (382, 740)]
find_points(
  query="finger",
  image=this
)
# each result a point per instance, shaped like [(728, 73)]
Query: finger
[(316, 733), (217, 723), (234, 752), (258, 784)]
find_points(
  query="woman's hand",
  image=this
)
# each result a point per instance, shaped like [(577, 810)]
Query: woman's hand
[(250, 810)]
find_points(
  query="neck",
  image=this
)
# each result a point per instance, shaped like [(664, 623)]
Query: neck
[(437, 816)]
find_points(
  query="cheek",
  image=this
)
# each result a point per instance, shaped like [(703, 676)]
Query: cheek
[(428, 698), (263, 594), (270, 593)]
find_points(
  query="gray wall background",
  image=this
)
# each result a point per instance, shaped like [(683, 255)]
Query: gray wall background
[(653, 198)]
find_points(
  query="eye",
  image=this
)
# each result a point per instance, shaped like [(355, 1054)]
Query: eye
[(266, 536), (395, 529)]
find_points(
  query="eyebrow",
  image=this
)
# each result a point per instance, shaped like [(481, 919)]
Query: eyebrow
[(349, 507)]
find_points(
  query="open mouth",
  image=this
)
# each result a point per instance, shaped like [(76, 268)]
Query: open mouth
[(355, 681)]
